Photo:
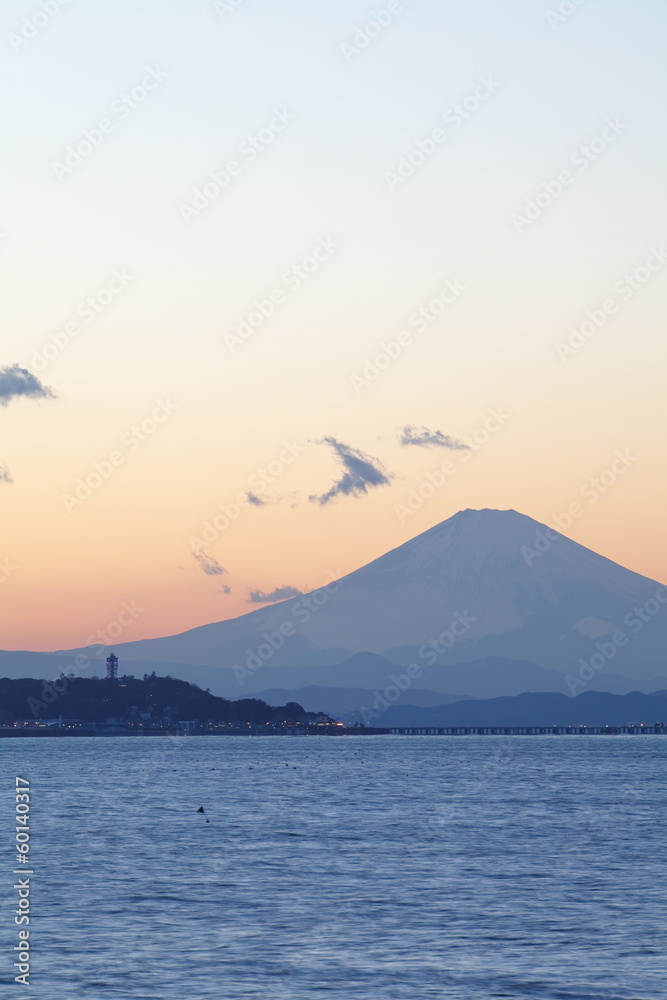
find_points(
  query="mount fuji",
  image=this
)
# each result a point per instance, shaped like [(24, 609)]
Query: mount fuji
[(483, 584)]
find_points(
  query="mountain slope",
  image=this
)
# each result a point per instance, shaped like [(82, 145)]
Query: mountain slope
[(477, 580)]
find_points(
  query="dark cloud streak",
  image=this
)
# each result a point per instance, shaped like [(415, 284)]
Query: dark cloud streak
[(209, 564), (424, 438), (256, 501), (279, 594), (362, 472), (16, 382)]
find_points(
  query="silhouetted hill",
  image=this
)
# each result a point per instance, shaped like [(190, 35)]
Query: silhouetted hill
[(92, 700)]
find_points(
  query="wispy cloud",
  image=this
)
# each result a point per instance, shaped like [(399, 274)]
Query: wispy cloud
[(5, 477), (279, 594), (225, 588), (362, 472), (256, 500), (16, 382), (422, 437), (209, 564)]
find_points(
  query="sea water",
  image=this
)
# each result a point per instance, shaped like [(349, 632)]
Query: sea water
[(345, 867)]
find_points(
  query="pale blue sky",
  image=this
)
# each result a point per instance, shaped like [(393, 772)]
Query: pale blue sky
[(324, 176)]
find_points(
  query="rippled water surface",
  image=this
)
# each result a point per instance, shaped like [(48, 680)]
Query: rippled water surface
[(343, 867)]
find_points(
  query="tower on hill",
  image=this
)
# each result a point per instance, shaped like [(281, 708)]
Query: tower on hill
[(112, 667)]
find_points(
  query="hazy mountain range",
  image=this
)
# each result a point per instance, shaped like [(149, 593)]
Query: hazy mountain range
[(592, 708), (486, 603)]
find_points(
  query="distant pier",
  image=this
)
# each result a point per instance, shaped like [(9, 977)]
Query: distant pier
[(657, 730)]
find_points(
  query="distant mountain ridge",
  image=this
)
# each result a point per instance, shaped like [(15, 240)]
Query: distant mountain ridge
[(592, 708), (335, 688), (343, 703)]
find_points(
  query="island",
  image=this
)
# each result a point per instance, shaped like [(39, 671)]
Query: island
[(151, 706)]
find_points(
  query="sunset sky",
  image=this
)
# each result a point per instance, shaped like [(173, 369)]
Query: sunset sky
[(452, 192)]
